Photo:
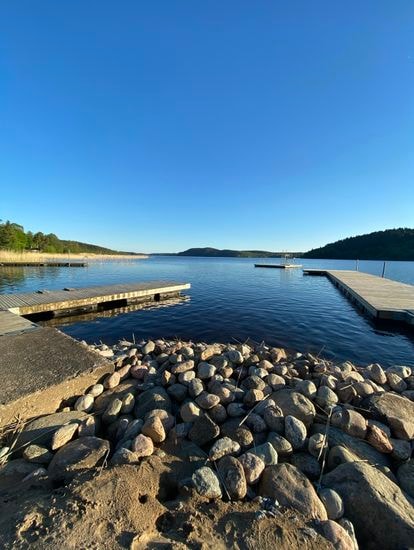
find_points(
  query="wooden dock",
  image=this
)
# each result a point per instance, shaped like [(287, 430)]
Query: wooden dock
[(40, 367), (379, 297), (43, 264), (278, 266), (56, 301)]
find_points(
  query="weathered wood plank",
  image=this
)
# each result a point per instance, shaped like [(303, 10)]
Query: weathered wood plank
[(380, 297), (33, 302)]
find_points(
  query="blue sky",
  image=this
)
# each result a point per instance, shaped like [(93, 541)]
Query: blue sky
[(161, 125)]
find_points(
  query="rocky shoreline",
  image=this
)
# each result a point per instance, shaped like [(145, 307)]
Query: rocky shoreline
[(259, 429)]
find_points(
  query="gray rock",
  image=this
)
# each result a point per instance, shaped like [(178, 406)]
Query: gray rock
[(205, 370), (142, 445), (154, 398), (133, 429), (395, 382), (275, 421), (96, 390), (395, 410), (377, 374), (37, 454), (295, 404), (207, 400), (295, 432), (349, 421), (307, 464), (84, 403), (266, 452), (307, 388), (253, 467), (401, 450), (282, 446), (190, 412), (206, 483), (40, 431), (124, 456), (326, 398), (218, 413), (177, 392), (292, 489), (382, 516), (316, 444), (337, 535), (400, 370), (222, 447), (360, 448), (405, 476), (256, 423), (112, 411), (332, 502), (235, 410), (77, 455), (195, 387), (203, 430), (241, 434), (235, 357), (63, 435), (233, 477), (148, 348), (128, 403)]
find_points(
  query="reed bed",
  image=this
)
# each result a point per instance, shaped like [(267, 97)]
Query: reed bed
[(22, 257)]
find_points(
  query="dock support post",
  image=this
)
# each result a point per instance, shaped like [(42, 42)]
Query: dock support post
[(383, 269), (357, 265)]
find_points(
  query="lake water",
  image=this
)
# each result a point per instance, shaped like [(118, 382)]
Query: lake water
[(231, 300)]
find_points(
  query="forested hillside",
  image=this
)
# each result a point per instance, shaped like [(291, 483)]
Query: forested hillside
[(391, 244), (14, 237)]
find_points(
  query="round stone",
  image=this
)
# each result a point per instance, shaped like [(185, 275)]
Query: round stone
[(295, 432), (332, 502), (206, 483), (253, 467)]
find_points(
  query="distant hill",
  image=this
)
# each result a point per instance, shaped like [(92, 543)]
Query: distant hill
[(13, 237), (225, 253), (391, 244)]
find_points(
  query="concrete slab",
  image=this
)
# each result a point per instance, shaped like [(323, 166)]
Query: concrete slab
[(41, 368)]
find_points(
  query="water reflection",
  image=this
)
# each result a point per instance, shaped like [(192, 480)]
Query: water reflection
[(108, 313)]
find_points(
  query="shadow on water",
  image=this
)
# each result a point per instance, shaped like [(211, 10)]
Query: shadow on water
[(103, 312)]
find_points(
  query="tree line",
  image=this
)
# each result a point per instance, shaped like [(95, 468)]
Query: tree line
[(14, 237)]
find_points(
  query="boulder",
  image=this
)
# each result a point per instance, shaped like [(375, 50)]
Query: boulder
[(154, 398), (405, 475), (203, 430), (397, 411), (337, 535), (380, 512), (295, 404), (292, 489), (358, 447), (82, 453), (206, 483), (233, 478), (40, 431)]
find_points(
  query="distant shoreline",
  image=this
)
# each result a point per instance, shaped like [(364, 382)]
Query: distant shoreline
[(33, 257)]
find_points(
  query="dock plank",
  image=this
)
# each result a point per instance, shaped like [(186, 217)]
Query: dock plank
[(34, 302), (382, 298)]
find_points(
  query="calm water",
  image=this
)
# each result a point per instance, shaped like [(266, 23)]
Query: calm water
[(230, 299)]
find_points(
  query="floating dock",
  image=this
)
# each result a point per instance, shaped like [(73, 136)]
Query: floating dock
[(278, 266), (40, 367), (379, 297), (73, 299), (43, 264)]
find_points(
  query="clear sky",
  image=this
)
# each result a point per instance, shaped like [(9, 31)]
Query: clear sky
[(161, 125)]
